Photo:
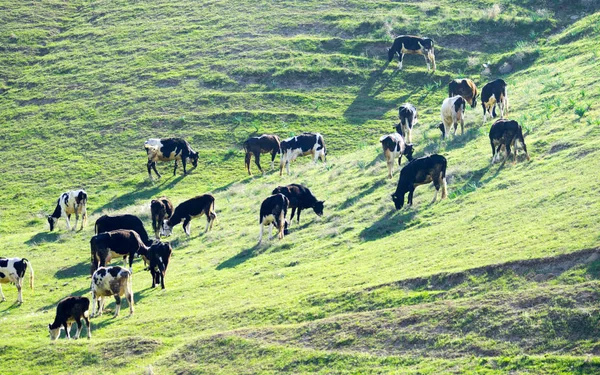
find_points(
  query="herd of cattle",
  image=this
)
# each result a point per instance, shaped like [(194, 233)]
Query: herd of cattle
[(124, 236)]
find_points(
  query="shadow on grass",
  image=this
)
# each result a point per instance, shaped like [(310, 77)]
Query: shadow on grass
[(249, 253), (79, 269), (355, 198), (391, 223), (43, 237)]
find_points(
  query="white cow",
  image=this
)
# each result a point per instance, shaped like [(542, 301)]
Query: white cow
[(302, 145), (71, 202), (12, 270), (111, 281), (453, 111)]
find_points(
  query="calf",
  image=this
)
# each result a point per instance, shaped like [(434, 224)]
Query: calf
[(265, 144), (494, 93), (393, 148), (300, 198), (161, 209), (186, 211), (107, 223), (465, 88), (12, 270), (157, 257), (419, 172), (453, 110), (69, 310), (506, 133), (117, 243), (302, 145), (71, 202), (408, 117), (273, 211), (412, 45), (167, 149), (111, 281)]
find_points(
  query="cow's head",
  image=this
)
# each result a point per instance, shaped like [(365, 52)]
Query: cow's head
[(474, 101), (398, 199), (166, 229), (193, 158), (427, 44), (442, 129), (54, 332), (408, 151), (391, 53), (318, 207), (52, 221)]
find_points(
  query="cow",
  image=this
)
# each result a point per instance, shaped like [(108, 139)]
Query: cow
[(111, 281), (70, 202), (265, 144), (506, 133), (167, 149), (412, 45), (69, 310), (302, 145), (12, 270), (407, 113), (157, 257), (186, 211), (106, 223), (453, 111), (300, 198), (393, 148), (273, 210), (421, 171), (160, 209), (115, 244), (494, 93), (465, 88)]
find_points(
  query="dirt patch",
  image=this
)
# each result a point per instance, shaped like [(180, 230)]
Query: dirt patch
[(557, 147), (125, 348)]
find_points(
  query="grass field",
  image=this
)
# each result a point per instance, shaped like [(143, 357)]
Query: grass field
[(502, 277)]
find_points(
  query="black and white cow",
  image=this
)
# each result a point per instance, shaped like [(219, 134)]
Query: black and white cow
[(494, 93), (453, 111), (157, 257), (465, 88), (301, 198), (111, 281), (68, 311), (71, 202), (167, 149), (412, 45), (407, 113), (115, 244), (302, 145), (506, 133), (186, 211), (265, 144), (106, 223), (273, 211), (421, 171), (12, 270), (160, 209), (393, 148)]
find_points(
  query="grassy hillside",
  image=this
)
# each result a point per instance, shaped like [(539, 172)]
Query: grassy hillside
[(365, 288)]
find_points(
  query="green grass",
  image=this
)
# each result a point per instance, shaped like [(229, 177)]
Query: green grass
[(365, 288)]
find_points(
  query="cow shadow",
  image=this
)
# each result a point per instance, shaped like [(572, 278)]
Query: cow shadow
[(43, 237), (390, 223), (357, 197), (243, 256), (80, 269)]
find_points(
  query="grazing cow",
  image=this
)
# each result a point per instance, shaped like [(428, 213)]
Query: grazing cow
[(111, 281), (419, 172), (273, 211), (71, 202), (186, 211), (506, 133), (12, 270), (301, 145), (494, 93), (408, 117), (69, 310), (115, 244), (300, 198), (412, 45), (167, 149), (107, 223), (265, 144), (453, 110), (465, 88), (157, 257), (393, 148), (161, 209)]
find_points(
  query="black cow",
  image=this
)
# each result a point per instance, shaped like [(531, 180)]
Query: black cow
[(113, 244), (160, 209), (300, 198), (302, 145), (408, 117), (266, 143), (494, 93), (506, 133), (107, 223), (465, 88), (195, 207), (12, 270), (273, 210), (393, 148), (166, 149), (157, 257), (412, 45), (421, 171), (69, 310)]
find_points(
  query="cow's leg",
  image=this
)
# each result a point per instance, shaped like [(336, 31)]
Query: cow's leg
[(153, 274), (118, 305), (261, 233), (410, 197), (183, 163), (270, 231), (213, 217), (208, 220), (298, 216), (493, 150), (454, 123), (2, 294), (67, 329), (427, 62), (149, 166), (432, 59), (76, 217), (87, 324), (273, 154), (175, 169), (19, 285), (129, 297), (161, 276), (94, 304), (497, 157), (281, 164), (281, 225), (247, 162), (462, 124), (293, 213), (79, 327), (437, 185), (287, 166), (257, 162), (390, 166), (400, 58), (186, 226), (131, 255), (155, 170), (67, 220)]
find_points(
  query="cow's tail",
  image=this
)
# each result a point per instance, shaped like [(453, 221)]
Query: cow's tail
[(31, 276), (93, 251), (450, 87), (443, 177), (505, 101), (96, 227)]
